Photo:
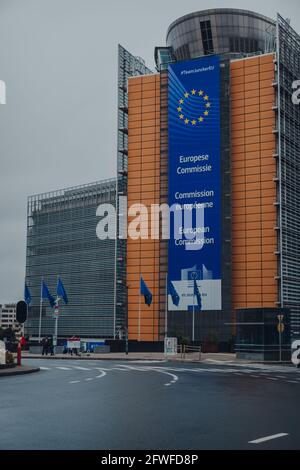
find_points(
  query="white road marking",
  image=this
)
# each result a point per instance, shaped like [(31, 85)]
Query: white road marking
[(174, 377), (154, 369), (89, 379), (271, 378), (103, 373), (63, 368), (268, 438), (215, 361), (292, 382), (141, 369), (74, 382), (45, 368), (80, 368), (148, 361)]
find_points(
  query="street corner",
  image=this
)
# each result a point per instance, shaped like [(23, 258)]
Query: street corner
[(17, 370)]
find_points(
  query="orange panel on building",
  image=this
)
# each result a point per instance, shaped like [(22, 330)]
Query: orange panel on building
[(254, 238), (143, 188)]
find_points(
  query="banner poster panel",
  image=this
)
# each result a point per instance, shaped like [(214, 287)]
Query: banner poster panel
[(195, 183)]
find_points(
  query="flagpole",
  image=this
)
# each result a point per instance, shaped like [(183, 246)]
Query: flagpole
[(166, 308), (193, 329), (41, 310), (139, 330), (56, 312), (56, 323)]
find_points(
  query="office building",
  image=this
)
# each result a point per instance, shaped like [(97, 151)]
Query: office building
[(62, 241), (222, 92), (8, 319)]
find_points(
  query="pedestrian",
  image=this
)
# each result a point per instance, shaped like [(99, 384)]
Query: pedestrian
[(73, 349), (45, 344), (51, 346)]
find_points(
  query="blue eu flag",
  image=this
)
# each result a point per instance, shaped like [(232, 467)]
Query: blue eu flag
[(27, 295), (61, 292), (145, 292), (173, 293), (46, 294), (198, 295)]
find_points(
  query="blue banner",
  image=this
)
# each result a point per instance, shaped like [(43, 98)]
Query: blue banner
[(195, 182)]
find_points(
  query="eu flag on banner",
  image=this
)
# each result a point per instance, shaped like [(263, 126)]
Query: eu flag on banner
[(27, 295), (46, 294), (173, 293), (61, 292), (198, 295), (145, 292)]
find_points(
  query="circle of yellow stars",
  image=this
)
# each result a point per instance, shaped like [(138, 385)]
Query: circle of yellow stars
[(195, 119)]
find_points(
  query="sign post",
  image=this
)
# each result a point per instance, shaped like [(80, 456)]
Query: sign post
[(280, 329), (170, 346), (56, 315)]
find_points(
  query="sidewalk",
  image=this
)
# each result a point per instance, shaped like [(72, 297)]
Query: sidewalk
[(193, 357), (210, 358), (18, 370)]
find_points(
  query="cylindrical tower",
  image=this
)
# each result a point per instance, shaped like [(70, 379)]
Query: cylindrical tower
[(218, 31)]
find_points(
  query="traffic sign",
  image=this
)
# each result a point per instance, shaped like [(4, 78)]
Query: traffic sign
[(56, 311), (21, 312)]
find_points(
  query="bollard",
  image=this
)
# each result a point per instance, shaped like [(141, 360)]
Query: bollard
[(19, 354)]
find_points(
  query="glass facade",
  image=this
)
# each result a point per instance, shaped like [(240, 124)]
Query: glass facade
[(163, 56), (288, 171), (62, 241), (128, 66), (219, 31)]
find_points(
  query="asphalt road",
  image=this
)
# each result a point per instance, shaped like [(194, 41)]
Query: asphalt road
[(86, 405)]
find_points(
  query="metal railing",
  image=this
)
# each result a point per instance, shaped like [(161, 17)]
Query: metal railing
[(184, 349)]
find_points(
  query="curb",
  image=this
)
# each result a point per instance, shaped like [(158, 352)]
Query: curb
[(78, 358), (19, 372)]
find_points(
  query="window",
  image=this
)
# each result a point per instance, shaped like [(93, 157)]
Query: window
[(206, 34), (183, 52), (241, 44)]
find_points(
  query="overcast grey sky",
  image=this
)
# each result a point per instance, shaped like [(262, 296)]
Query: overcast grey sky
[(58, 128)]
